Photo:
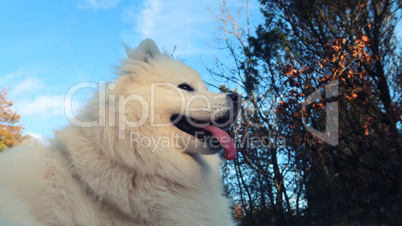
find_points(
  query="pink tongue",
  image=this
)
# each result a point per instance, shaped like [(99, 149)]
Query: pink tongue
[(225, 140)]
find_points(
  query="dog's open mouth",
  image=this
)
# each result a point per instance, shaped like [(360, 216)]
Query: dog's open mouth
[(214, 136)]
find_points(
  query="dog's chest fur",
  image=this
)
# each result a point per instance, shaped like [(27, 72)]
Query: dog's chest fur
[(83, 187)]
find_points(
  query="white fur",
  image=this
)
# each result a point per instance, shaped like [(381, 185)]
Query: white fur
[(88, 176)]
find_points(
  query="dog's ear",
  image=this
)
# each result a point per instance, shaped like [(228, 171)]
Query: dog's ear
[(146, 50)]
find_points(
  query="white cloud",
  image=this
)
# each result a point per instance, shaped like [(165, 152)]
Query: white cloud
[(11, 76), (182, 23), (46, 105), (97, 4), (146, 23), (28, 84)]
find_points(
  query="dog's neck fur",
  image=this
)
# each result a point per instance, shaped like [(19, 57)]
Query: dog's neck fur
[(96, 173)]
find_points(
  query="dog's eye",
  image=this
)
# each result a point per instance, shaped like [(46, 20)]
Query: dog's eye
[(185, 86)]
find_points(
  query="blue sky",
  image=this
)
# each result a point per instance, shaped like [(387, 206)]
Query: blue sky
[(50, 46)]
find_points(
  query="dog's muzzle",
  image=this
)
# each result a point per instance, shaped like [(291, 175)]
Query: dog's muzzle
[(212, 131)]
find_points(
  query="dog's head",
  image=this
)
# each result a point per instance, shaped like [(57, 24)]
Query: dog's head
[(173, 102)]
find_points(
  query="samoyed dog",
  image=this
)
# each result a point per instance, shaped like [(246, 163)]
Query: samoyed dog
[(142, 152)]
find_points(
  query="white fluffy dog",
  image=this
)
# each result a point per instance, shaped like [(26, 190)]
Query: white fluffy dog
[(142, 152)]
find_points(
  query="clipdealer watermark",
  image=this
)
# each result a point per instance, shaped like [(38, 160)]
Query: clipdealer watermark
[(112, 109), (152, 143), (174, 140), (112, 112), (330, 135)]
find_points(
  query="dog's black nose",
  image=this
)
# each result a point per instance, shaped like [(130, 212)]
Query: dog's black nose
[(234, 98)]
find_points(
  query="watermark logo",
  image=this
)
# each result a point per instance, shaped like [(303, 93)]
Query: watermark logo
[(330, 135), (148, 105), (113, 111)]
